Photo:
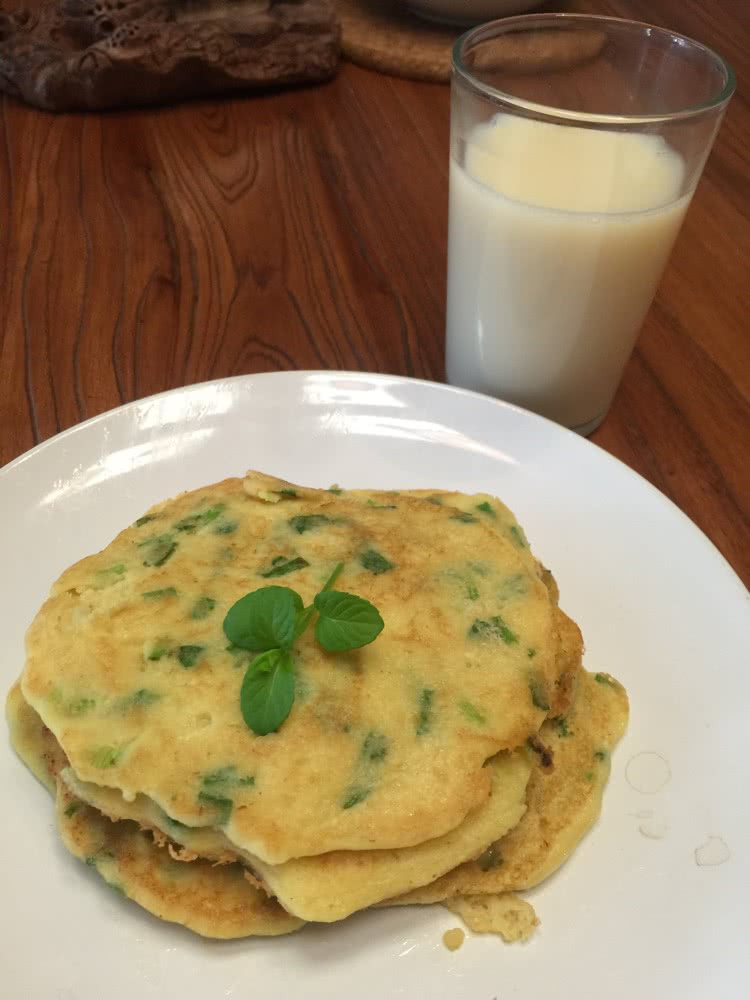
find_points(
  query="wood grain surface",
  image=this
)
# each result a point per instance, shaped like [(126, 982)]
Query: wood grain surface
[(307, 229)]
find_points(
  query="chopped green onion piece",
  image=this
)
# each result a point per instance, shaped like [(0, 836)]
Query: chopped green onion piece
[(281, 566), (492, 628), (424, 720), (203, 608), (375, 747), (492, 858), (538, 691), (163, 592), (219, 802), (487, 508), (104, 757), (308, 522), (375, 562), (472, 713), (189, 655), (157, 549), (355, 796), (464, 516)]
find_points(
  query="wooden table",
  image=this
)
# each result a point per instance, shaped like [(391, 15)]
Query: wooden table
[(307, 229)]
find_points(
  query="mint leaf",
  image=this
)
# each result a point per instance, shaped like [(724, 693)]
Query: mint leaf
[(333, 577), (346, 621), (267, 692), (303, 620), (264, 619), (306, 616), (268, 621)]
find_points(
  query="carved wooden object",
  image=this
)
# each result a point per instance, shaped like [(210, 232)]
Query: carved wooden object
[(67, 55)]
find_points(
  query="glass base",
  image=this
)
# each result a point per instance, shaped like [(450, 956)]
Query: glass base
[(583, 429), (588, 428), (457, 375)]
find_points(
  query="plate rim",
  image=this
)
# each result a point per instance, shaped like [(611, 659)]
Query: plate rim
[(442, 387)]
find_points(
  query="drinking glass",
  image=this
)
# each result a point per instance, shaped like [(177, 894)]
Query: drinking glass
[(576, 145)]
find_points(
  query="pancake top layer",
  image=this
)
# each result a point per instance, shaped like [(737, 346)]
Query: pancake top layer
[(128, 665)]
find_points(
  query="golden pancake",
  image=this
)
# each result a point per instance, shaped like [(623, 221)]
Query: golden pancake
[(189, 842), (32, 741), (492, 511), (214, 901), (562, 804), (401, 774), (121, 852), (505, 914), (217, 902), (384, 748), (331, 886)]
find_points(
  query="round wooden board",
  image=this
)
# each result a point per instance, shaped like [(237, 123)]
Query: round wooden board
[(383, 35)]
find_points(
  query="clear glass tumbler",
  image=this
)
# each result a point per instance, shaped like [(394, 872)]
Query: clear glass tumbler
[(576, 145)]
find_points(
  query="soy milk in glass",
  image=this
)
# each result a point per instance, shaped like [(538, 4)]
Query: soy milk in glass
[(560, 226)]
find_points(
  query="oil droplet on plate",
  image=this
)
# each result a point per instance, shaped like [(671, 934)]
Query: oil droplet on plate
[(453, 939), (654, 829), (647, 772), (713, 852)]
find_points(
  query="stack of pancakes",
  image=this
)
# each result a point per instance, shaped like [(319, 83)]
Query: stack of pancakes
[(457, 758)]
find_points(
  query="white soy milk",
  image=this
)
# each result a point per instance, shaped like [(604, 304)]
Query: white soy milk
[(558, 237)]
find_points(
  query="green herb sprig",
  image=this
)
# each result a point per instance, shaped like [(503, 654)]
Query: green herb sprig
[(269, 621)]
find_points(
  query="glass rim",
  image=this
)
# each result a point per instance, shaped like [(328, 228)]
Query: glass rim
[(550, 111)]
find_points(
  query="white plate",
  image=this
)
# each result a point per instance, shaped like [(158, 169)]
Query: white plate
[(654, 904)]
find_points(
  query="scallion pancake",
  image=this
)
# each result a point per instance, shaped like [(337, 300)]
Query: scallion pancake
[(215, 901), (331, 886), (563, 804), (385, 746), (492, 511)]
